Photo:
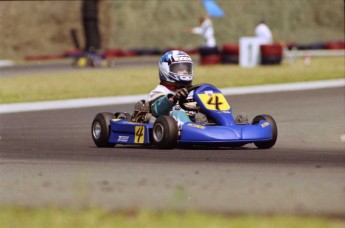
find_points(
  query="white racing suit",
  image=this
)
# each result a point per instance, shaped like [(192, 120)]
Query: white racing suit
[(161, 105)]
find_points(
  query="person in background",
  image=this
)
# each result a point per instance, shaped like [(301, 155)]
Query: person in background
[(205, 29), (263, 32)]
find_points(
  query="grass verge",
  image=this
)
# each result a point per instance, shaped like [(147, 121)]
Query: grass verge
[(113, 82), (54, 217)]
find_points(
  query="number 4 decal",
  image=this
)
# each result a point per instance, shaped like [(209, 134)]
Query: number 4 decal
[(139, 134), (214, 101)]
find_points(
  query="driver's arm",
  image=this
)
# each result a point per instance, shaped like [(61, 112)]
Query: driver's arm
[(162, 105)]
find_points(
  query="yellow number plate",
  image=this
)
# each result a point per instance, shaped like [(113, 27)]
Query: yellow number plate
[(214, 101), (139, 134)]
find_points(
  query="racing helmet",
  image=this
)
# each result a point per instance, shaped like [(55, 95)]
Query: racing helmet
[(176, 67)]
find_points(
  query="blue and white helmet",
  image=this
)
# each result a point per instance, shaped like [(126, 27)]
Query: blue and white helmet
[(176, 67)]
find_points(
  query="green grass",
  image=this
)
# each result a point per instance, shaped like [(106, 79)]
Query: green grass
[(55, 217), (113, 82)]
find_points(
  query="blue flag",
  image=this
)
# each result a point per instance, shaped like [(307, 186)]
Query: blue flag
[(212, 8)]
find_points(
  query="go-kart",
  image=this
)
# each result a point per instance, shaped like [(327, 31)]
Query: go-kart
[(220, 129), (90, 59)]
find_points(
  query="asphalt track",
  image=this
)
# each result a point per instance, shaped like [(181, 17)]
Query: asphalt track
[(48, 158), (45, 67)]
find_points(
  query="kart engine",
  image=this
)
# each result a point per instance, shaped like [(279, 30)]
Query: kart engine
[(141, 112)]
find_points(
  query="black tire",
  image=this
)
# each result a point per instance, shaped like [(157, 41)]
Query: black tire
[(205, 51), (100, 129), (165, 132), (270, 120), (271, 60), (231, 59)]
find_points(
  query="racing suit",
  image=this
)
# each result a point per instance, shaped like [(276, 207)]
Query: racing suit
[(161, 104)]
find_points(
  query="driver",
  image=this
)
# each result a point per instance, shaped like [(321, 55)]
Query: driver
[(175, 74)]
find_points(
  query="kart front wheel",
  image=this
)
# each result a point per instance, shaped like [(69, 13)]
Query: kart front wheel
[(165, 132), (270, 120), (100, 129)]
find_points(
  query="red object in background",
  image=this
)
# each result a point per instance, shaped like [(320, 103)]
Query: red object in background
[(43, 57), (210, 59), (231, 49), (130, 53), (230, 53), (335, 45), (72, 53), (112, 53), (271, 54), (271, 50)]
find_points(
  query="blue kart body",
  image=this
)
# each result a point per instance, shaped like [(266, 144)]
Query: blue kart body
[(222, 132)]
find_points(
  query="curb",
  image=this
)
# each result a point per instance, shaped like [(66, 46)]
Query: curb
[(5, 63)]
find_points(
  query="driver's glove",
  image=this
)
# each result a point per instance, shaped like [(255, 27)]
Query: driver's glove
[(181, 93)]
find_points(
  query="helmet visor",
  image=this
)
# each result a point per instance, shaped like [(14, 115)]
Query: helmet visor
[(181, 68)]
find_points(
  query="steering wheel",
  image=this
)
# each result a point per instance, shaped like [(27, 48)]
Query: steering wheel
[(182, 101)]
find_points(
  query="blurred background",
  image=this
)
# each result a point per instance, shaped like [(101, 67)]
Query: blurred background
[(29, 28)]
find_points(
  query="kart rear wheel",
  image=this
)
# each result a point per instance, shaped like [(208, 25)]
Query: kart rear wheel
[(100, 129), (270, 120), (165, 132)]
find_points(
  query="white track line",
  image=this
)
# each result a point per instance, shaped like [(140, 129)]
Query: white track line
[(5, 63), (90, 102)]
